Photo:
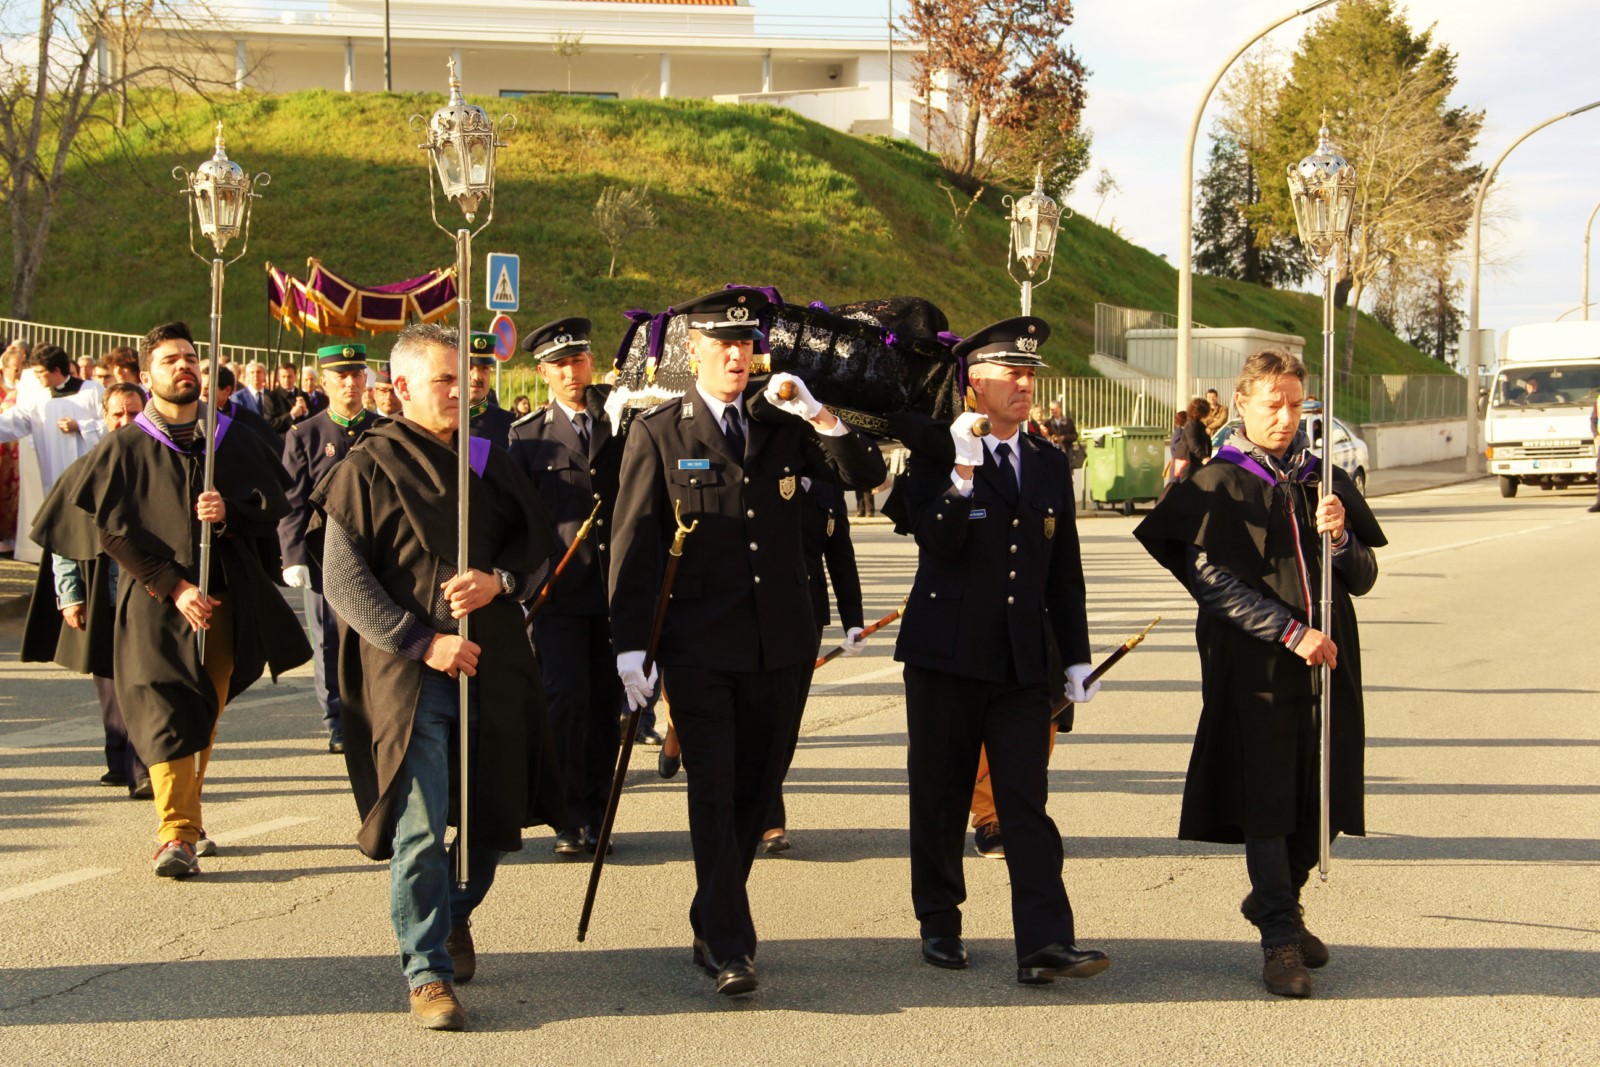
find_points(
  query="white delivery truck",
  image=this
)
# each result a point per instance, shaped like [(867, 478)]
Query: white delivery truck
[(1536, 429)]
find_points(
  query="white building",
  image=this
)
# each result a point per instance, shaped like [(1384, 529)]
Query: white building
[(616, 49)]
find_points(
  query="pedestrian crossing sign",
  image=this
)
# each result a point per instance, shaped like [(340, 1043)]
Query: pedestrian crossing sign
[(504, 269)]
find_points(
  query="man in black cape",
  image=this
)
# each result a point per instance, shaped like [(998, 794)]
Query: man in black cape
[(387, 534), (71, 616), (1242, 536), (144, 490)]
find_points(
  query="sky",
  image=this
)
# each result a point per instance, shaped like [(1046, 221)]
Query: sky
[(1520, 62)]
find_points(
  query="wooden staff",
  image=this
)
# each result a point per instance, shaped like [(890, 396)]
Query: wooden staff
[(1110, 661), (868, 632), (603, 842), (550, 583)]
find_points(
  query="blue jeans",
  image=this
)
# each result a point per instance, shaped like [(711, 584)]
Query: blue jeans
[(424, 901)]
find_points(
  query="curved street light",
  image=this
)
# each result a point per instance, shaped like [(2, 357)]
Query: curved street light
[(1182, 373), (1588, 232), (1474, 355), (1035, 223)]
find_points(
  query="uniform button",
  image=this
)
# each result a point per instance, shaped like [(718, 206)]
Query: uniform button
[(933, 596), (602, 546), (753, 546), (758, 579), (694, 481), (1014, 525), (1011, 600), (747, 481), (1013, 574), (551, 467), (597, 496), (1013, 549), (750, 514), (940, 516), (593, 472), (602, 522)]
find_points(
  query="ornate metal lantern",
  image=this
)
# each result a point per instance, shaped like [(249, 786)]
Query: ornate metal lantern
[(1035, 221), (221, 192), (461, 143), (1323, 187)]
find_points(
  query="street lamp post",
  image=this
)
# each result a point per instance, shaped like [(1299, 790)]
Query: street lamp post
[(1035, 223), (1323, 188), (1474, 355), (1588, 232), (461, 142), (1184, 369), (220, 193)]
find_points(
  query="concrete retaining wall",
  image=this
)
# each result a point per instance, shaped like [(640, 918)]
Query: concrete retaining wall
[(1404, 444)]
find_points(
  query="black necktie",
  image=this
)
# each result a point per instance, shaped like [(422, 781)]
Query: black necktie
[(580, 423), (1008, 473), (733, 431)]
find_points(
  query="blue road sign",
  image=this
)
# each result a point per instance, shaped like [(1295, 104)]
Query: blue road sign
[(503, 273)]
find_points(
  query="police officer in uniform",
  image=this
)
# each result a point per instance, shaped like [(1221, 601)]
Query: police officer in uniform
[(568, 450), (311, 448), (998, 575), (739, 636), (489, 420)]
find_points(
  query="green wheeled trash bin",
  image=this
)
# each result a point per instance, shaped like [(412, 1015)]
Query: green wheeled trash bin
[(1123, 465)]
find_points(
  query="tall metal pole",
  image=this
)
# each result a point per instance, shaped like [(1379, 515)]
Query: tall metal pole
[(1027, 297), (463, 488), (890, 6), (1183, 371), (210, 466), (388, 79), (1588, 232), (1325, 681), (1474, 356)]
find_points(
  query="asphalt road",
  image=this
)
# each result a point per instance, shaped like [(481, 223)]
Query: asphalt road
[(1465, 928)]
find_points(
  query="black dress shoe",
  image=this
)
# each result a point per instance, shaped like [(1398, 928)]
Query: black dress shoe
[(667, 766), (774, 845), (569, 843), (647, 736), (703, 960), (114, 778), (336, 741), (142, 789), (1060, 961), (737, 977), (591, 841), (947, 952)]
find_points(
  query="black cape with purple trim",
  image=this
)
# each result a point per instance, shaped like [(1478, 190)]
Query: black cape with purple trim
[(63, 530), (143, 487), (395, 496), (1253, 771)]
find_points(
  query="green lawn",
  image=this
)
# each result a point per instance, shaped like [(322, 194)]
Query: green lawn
[(745, 194)]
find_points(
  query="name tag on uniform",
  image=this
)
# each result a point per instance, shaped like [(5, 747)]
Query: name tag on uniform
[(979, 513), (694, 464)]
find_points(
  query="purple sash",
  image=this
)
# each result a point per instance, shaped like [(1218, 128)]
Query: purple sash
[(1230, 454), (144, 423), (477, 453)]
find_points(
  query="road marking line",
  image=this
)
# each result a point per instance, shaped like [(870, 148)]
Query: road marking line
[(257, 829), (282, 698), (45, 885), (1386, 558), (66, 732), (868, 677)]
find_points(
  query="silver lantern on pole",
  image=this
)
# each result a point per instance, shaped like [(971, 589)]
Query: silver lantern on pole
[(1323, 188), (461, 143), (220, 193), (1035, 223)]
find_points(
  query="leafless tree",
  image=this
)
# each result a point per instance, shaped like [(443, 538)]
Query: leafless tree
[(568, 46), (54, 87)]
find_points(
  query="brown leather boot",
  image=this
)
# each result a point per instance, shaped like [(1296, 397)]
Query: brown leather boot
[(463, 954), (1311, 947), (434, 1006), (1285, 972)]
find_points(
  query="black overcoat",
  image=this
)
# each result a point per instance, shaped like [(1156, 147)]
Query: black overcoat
[(1253, 769), (61, 529), (394, 494), (143, 487)]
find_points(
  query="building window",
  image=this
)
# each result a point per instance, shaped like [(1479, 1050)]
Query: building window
[(518, 94)]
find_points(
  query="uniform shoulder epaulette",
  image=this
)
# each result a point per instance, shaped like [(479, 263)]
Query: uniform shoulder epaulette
[(675, 404), (529, 417)]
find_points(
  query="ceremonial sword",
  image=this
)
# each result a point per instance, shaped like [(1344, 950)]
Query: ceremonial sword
[(603, 842), (867, 632), (1110, 661)]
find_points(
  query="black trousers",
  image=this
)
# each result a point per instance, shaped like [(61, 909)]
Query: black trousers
[(581, 694), (1279, 868), (120, 756), (777, 814), (737, 730), (325, 660), (948, 717)]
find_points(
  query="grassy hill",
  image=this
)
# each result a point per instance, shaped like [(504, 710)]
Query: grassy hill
[(749, 194)]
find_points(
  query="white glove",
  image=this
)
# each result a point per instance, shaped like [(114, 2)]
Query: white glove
[(855, 641), (969, 449), (297, 577), (637, 688), (1076, 675), (804, 405)]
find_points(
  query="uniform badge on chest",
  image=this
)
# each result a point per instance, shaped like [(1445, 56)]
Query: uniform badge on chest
[(1049, 527), (830, 524), (786, 487), (329, 450)]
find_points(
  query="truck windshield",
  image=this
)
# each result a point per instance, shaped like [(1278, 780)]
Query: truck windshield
[(1573, 385)]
